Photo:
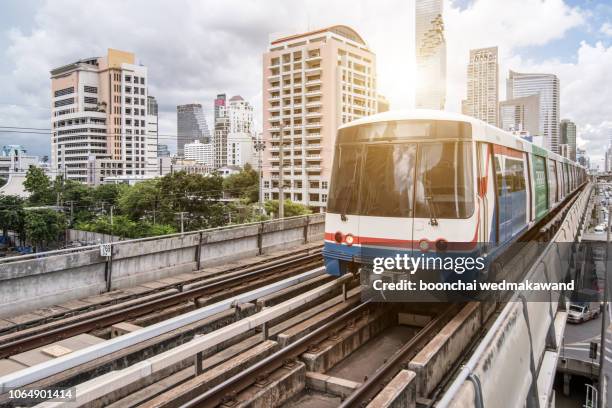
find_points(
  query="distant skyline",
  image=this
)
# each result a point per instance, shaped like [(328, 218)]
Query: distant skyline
[(208, 47)]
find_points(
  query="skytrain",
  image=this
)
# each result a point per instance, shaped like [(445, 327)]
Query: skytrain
[(432, 182)]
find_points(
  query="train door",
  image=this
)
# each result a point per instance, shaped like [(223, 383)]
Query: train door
[(386, 205), (504, 208), (486, 194), (552, 183), (541, 186)]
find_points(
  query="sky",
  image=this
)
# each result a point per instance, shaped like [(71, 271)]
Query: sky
[(197, 49)]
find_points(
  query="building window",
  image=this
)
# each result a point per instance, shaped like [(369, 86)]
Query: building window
[(324, 198), (65, 91), (64, 102), (91, 99), (266, 184), (90, 89), (324, 184)]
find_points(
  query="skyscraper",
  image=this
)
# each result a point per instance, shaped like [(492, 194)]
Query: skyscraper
[(521, 114), (547, 87), (568, 137), (482, 86), (430, 54), (152, 134), (313, 83), (98, 117), (191, 125), (240, 133), (221, 130)]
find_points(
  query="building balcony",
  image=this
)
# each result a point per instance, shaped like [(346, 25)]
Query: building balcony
[(317, 92), (314, 114), (313, 125), (313, 157), (315, 167), (313, 136)]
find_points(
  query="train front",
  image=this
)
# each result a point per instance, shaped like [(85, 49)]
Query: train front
[(401, 187)]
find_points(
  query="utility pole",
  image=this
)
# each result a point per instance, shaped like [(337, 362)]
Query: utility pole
[(281, 187), (260, 146), (111, 220), (181, 214)]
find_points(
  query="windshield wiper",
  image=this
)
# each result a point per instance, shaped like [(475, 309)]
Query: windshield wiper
[(431, 207), (346, 204)]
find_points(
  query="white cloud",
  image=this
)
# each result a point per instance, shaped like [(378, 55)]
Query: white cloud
[(606, 28), (196, 49)]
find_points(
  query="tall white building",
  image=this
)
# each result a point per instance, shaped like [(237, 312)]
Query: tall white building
[(202, 153), (547, 87), (482, 86), (98, 117), (234, 132), (152, 135), (312, 84), (430, 54)]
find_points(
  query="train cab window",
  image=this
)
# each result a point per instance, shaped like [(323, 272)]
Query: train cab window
[(344, 187), (444, 183), (388, 180)]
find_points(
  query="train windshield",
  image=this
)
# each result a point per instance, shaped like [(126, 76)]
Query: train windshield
[(402, 178)]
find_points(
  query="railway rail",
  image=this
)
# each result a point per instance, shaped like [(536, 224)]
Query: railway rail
[(252, 278), (203, 395)]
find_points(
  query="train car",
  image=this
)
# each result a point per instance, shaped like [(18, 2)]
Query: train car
[(427, 182)]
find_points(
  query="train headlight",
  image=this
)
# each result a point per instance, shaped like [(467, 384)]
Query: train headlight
[(424, 245), (349, 239), (338, 237), (441, 245)]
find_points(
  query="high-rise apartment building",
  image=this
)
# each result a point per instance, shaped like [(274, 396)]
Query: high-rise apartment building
[(312, 83), (241, 134), (152, 134), (583, 158), (520, 114), (567, 130), (234, 131), (547, 87), (430, 46), (482, 86), (221, 129), (191, 125), (202, 153), (98, 118)]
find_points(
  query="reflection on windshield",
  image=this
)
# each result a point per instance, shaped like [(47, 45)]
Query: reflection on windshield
[(379, 180), (444, 181)]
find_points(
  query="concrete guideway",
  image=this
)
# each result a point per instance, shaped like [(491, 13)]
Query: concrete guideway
[(35, 373), (95, 388), (531, 329)]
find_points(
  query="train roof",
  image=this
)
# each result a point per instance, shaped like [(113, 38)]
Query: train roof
[(491, 134)]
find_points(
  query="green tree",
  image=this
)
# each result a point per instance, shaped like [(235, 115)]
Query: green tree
[(244, 184), (43, 227), (291, 208), (11, 214), (141, 199), (196, 195), (39, 186), (109, 193)]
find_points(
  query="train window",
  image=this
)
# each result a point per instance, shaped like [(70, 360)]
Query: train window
[(541, 189), (346, 173), (515, 175), (388, 180), (565, 178), (444, 182), (552, 181)]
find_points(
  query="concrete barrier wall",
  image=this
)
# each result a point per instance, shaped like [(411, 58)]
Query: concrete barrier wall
[(507, 365), (50, 278), (91, 237)]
